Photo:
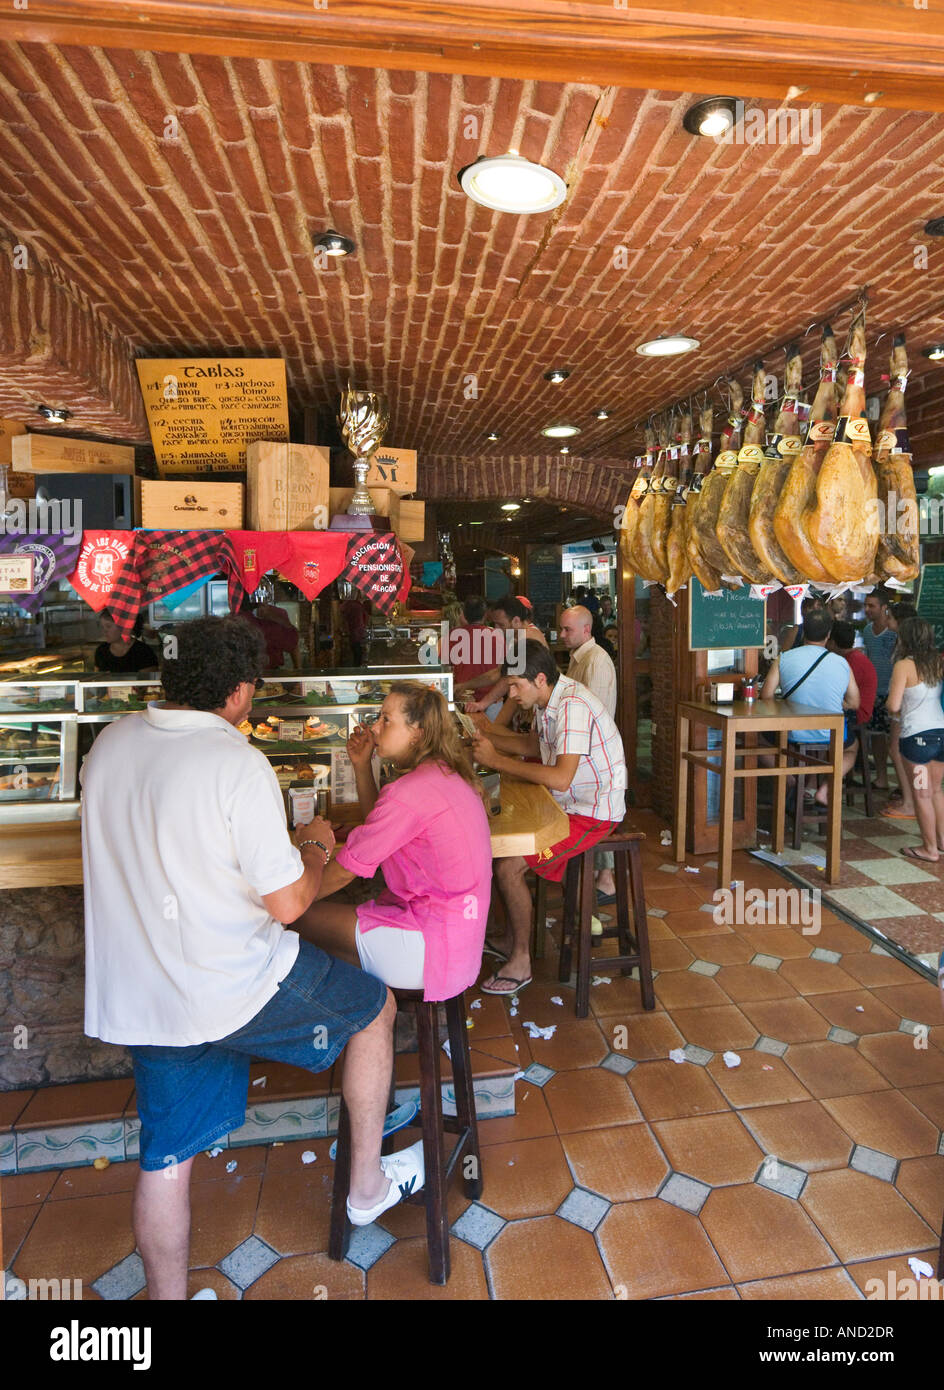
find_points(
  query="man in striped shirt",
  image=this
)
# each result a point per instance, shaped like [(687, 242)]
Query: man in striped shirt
[(584, 768)]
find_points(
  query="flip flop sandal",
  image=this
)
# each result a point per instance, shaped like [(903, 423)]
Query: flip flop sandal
[(489, 950), (891, 813), (604, 899), (508, 980), (910, 852)]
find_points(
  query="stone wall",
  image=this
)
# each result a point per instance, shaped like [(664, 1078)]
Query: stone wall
[(42, 989)]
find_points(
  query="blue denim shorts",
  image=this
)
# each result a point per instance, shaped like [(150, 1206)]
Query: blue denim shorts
[(188, 1097), (923, 748)]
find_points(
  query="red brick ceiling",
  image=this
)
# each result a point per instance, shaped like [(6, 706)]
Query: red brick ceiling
[(203, 246)]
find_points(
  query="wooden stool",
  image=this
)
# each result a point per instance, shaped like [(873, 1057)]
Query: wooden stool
[(432, 1122), (579, 908), (800, 812), (538, 931), (863, 754)]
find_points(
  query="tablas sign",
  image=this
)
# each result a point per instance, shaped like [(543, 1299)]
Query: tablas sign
[(202, 412)]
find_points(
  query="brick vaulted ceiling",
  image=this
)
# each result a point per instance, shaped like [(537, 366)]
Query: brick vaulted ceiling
[(167, 204)]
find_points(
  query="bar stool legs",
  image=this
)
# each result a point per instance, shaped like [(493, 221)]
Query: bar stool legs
[(540, 918)]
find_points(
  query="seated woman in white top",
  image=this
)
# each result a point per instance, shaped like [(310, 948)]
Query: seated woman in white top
[(914, 705)]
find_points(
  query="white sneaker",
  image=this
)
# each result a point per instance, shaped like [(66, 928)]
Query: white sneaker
[(407, 1173), (204, 1294)]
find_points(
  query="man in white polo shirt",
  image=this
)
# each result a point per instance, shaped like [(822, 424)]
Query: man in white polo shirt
[(584, 768), (190, 874)]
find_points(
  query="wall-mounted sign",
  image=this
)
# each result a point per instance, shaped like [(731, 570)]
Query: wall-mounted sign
[(16, 574), (203, 412)]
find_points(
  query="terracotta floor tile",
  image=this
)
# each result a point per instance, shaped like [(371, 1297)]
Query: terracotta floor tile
[(904, 1064), (76, 1104), (659, 930), (502, 1049), (692, 922), (222, 1216), (842, 1011), (840, 936), (285, 1082), (403, 1273), (760, 1234), (642, 1037), (547, 1258), (653, 1249), (882, 1271), (92, 1182), (788, 943), (670, 955), (15, 1226), (531, 1120), (80, 1239), (833, 1069), (24, 1189), (715, 1149), (251, 1161), (681, 989), (622, 1164), (674, 897), (407, 1220), (788, 1020), (862, 1217), (621, 996), (820, 1285), (534, 1003), (726, 948), (491, 1020), (804, 1134), (591, 1099), (528, 1177), (874, 971), (12, 1105), (929, 1100), (761, 1079), (745, 984), (921, 1182), (578, 1042), (300, 1276), (816, 976), (920, 1002), (886, 1121), (668, 1091), (726, 1295), (285, 1157), (717, 1028), (293, 1211)]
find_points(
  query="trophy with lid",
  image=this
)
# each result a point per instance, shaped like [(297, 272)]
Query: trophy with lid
[(363, 417)]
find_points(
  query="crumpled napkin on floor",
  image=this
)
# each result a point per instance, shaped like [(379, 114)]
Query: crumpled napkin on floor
[(535, 1032), (677, 1055), (731, 1059), (920, 1269)]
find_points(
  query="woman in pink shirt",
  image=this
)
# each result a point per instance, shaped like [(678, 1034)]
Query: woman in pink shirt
[(429, 833)]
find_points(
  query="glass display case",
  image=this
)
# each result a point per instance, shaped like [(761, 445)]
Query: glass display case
[(300, 722)]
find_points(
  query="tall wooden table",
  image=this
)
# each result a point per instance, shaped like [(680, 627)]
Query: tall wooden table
[(530, 819), (781, 717)]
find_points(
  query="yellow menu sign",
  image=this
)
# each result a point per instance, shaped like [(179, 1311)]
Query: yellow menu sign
[(203, 411)]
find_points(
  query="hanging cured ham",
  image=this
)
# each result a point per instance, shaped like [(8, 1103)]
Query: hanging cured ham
[(653, 513), (799, 489), (898, 551), (778, 459), (734, 512), (842, 523), (677, 535), (705, 519), (636, 494), (707, 575)]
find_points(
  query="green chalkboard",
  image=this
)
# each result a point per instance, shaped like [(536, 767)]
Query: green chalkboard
[(732, 619), (931, 600)]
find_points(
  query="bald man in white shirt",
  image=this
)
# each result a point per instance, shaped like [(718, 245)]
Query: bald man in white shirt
[(590, 665)]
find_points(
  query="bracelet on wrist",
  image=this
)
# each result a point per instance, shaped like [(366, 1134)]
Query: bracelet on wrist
[(324, 848)]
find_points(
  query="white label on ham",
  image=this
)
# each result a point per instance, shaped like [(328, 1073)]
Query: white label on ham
[(751, 453), (821, 431)]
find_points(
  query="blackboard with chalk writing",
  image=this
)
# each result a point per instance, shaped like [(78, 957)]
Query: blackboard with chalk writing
[(545, 576), (931, 600), (729, 619)]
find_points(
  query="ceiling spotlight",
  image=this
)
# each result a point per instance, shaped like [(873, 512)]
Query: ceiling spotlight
[(558, 375), (56, 415), (936, 353), (560, 431), (508, 183), (564, 449), (712, 117), (493, 436), (332, 243), (669, 345), (511, 506), (935, 227), (602, 414)]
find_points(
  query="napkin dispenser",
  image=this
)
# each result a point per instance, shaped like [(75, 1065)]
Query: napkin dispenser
[(722, 692)]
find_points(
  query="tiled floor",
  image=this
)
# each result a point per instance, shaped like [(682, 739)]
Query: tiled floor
[(810, 1168)]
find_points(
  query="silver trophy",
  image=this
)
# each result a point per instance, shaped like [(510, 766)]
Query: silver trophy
[(363, 417)]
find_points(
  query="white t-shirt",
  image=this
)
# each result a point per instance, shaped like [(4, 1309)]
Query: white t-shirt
[(183, 831), (590, 665)]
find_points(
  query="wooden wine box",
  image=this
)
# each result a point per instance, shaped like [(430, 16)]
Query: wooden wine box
[(54, 453), (412, 520), (386, 503), (393, 468), (181, 506), (9, 429), (287, 486)]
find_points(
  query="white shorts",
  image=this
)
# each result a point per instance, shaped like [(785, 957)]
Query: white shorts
[(393, 955)]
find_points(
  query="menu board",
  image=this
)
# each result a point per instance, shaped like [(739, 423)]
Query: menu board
[(729, 619), (203, 411), (930, 603), (545, 578)]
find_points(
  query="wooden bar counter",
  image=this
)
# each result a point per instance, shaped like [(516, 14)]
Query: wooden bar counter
[(759, 716), (530, 819)]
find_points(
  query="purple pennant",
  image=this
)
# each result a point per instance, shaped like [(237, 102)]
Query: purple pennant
[(55, 557)]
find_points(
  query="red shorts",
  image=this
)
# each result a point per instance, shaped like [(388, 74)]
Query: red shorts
[(583, 834)]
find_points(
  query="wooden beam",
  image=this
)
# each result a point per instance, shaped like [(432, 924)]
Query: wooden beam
[(850, 51)]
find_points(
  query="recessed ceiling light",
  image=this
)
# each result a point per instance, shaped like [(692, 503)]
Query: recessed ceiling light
[(560, 431), (565, 449), (602, 414), (712, 117), (56, 415), (935, 227), (936, 353), (476, 523), (508, 183), (557, 375), (669, 346), (332, 243), (511, 506), (493, 437)]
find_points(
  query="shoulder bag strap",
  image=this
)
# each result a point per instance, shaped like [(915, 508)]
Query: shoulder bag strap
[(808, 672)]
